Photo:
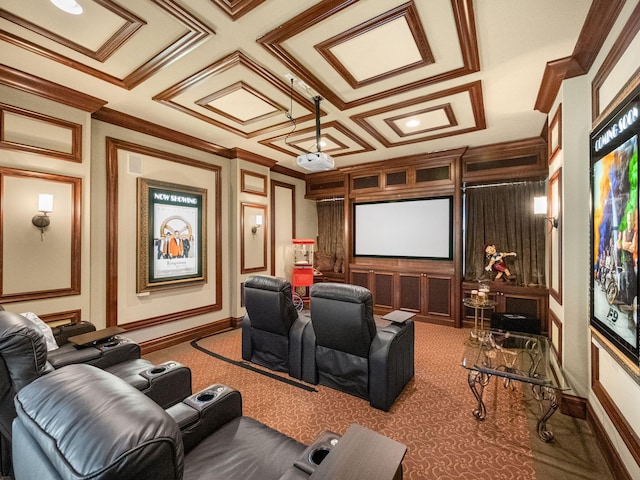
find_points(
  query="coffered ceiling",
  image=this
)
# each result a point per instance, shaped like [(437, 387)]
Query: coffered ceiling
[(396, 78)]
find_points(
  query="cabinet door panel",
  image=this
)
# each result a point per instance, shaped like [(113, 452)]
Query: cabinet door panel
[(410, 293), (439, 296), (527, 306), (383, 292), (360, 278)]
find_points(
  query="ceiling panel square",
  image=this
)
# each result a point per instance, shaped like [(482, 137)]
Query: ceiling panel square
[(466, 114), (260, 88)]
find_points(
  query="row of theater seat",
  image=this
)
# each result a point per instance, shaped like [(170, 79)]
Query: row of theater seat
[(337, 343), (26, 355), (81, 421)]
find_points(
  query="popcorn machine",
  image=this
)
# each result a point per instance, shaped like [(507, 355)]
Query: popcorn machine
[(302, 264)]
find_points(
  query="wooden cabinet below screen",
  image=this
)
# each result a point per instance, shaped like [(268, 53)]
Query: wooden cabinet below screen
[(429, 296)]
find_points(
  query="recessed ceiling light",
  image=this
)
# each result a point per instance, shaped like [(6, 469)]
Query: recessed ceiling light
[(69, 6), (412, 123)]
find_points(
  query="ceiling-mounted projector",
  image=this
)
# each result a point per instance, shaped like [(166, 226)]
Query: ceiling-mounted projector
[(316, 162)]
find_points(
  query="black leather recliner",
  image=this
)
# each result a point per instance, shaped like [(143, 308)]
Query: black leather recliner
[(350, 353), (80, 422), (24, 358), (272, 329)]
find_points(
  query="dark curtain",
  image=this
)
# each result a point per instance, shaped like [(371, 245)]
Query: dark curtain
[(331, 230), (503, 215)]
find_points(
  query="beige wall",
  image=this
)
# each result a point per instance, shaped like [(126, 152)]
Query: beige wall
[(133, 307), (28, 262), (36, 265)]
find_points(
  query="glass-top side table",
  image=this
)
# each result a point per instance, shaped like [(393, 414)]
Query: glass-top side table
[(517, 357)]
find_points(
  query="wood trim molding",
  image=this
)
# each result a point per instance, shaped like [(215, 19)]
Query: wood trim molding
[(609, 451), (75, 155), (288, 172), (113, 145), (26, 82), (244, 227), (626, 432), (445, 108), (627, 34), (409, 13), (276, 184), (197, 32), (600, 18), (246, 188), (556, 290), (474, 90), (131, 24), (233, 60), (573, 406), (275, 40), (206, 101), (240, 154), (75, 243), (555, 321), (185, 335), (130, 122), (555, 130), (69, 316), (326, 128), (168, 318), (236, 8), (554, 74)]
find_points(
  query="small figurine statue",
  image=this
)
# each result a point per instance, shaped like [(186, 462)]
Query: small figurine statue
[(496, 262)]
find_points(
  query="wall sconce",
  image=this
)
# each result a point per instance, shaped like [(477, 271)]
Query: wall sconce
[(45, 205), (257, 225), (540, 208)]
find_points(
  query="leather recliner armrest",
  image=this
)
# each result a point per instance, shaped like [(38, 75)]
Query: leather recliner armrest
[(390, 363), (202, 413), (298, 349), (119, 349), (309, 372), (62, 333)]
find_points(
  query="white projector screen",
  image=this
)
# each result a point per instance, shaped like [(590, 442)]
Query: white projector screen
[(405, 228)]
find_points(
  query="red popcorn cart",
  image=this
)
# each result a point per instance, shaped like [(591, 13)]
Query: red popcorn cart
[(302, 265)]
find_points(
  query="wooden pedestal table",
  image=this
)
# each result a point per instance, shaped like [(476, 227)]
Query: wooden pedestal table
[(478, 307)]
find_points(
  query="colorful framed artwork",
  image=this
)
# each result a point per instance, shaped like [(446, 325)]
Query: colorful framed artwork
[(171, 235)]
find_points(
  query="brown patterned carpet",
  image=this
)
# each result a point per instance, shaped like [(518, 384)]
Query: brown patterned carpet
[(432, 416)]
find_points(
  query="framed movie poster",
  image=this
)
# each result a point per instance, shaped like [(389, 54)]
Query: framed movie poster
[(172, 248), (614, 235)]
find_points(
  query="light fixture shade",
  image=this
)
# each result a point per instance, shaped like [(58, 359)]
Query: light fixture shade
[(45, 202), (540, 205), (69, 6), (258, 220)]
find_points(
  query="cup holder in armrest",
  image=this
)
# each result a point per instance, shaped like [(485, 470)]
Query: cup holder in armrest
[(112, 342), (159, 369), (315, 453), (205, 397), (317, 456)]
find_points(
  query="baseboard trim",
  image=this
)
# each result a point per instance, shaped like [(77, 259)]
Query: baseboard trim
[(610, 453), (579, 407), (186, 335), (574, 406)]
